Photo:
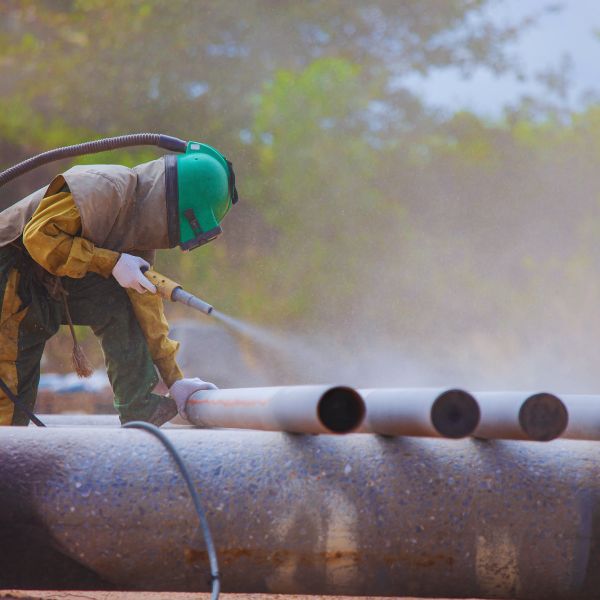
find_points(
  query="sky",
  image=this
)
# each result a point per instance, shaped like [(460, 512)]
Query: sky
[(574, 31)]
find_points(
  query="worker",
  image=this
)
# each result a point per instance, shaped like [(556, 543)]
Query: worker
[(74, 253)]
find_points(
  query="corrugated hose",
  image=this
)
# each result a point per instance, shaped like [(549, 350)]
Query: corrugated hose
[(166, 142)]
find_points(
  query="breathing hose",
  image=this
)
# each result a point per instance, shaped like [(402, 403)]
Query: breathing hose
[(166, 142), (210, 546)]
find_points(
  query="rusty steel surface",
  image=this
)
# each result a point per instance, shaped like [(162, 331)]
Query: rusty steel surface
[(357, 514), (419, 412), (520, 416), (99, 595), (111, 421), (296, 409)]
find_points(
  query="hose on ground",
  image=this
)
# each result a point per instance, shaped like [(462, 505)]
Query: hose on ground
[(210, 546)]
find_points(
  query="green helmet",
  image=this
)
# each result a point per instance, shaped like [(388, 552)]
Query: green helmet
[(200, 189)]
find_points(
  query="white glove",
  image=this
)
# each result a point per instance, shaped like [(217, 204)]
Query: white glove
[(128, 273), (181, 391)]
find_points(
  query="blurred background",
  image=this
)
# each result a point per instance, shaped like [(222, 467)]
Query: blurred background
[(419, 180)]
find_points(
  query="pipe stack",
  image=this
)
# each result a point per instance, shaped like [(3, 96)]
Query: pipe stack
[(338, 409), (419, 412), (450, 413)]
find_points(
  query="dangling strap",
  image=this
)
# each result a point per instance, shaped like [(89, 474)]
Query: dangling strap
[(56, 291), (80, 362), (18, 403)]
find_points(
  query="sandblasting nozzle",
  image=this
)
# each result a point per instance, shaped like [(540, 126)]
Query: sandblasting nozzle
[(180, 295), (171, 290)]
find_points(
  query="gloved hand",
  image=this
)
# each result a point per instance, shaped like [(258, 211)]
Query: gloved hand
[(128, 273), (181, 391)]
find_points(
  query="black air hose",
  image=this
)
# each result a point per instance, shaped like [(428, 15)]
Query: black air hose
[(166, 142), (215, 578)]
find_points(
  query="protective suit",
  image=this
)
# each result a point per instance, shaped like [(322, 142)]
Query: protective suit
[(69, 237)]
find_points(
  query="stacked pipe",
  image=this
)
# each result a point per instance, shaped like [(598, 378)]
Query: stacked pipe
[(450, 413), (421, 412), (338, 409)]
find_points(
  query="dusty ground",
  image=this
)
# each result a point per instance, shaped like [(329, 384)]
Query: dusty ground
[(79, 595)]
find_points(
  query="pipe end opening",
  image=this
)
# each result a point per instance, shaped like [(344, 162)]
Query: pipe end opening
[(455, 414), (341, 409), (543, 417)]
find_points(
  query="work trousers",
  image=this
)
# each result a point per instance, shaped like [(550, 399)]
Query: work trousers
[(29, 317)]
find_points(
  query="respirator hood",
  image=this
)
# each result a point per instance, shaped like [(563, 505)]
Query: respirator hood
[(200, 190)]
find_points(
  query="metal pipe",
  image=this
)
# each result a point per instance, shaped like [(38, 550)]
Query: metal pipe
[(355, 514), (520, 416), (584, 416), (420, 412), (296, 409)]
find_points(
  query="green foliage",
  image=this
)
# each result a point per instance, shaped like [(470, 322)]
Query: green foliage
[(362, 212), (318, 193)]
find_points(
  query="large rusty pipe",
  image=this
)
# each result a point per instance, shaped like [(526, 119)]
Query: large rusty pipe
[(420, 412), (301, 514), (520, 416), (295, 409)]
